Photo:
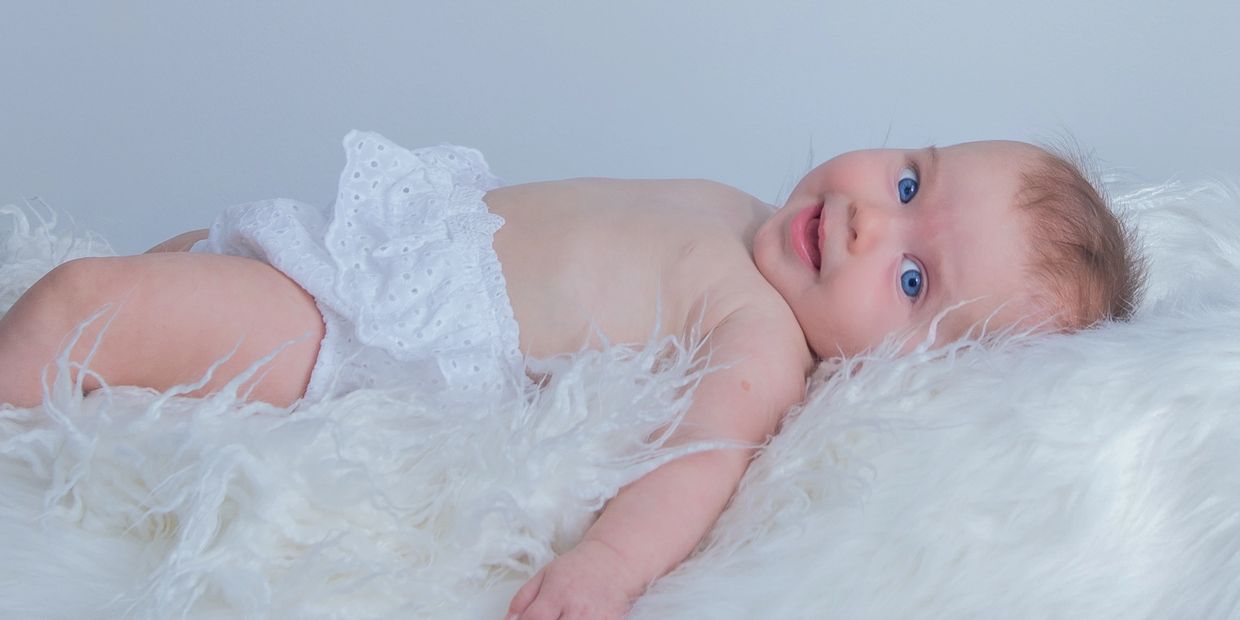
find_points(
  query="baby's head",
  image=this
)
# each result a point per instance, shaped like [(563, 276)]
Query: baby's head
[(878, 242)]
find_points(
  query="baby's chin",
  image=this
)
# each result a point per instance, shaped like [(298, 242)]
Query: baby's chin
[(766, 250)]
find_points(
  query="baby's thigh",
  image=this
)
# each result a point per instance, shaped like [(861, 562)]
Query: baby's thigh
[(175, 314)]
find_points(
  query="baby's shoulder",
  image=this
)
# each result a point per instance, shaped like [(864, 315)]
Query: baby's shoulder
[(761, 368), (765, 334)]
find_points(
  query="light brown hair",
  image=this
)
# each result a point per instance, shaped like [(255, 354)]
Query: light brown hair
[(1082, 254)]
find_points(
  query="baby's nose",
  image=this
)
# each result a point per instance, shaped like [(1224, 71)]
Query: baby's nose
[(867, 226)]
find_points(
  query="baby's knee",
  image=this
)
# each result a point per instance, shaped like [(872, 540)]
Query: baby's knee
[(74, 290), (77, 281)]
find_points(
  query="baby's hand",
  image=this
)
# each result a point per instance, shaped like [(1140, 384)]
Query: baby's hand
[(590, 581)]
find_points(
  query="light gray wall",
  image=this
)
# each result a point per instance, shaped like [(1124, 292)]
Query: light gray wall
[(145, 118)]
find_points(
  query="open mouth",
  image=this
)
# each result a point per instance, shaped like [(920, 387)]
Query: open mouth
[(813, 234), (804, 233)]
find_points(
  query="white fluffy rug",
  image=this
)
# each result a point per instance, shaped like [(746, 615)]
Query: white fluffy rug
[(1087, 476)]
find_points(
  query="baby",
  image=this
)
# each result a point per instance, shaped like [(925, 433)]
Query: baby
[(424, 269)]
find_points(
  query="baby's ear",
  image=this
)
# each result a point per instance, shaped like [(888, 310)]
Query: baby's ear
[(1046, 315)]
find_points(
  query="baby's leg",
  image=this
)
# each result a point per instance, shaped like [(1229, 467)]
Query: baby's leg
[(171, 316)]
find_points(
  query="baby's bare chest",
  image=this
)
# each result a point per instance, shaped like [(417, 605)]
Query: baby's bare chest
[(630, 259)]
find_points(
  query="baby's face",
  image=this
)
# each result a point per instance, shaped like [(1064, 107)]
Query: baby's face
[(877, 241)]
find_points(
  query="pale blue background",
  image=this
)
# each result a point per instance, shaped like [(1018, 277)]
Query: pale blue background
[(145, 118)]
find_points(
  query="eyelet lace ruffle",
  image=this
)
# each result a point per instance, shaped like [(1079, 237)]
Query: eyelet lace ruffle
[(402, 269)]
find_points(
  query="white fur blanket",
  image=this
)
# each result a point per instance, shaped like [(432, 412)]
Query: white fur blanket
[(1095, 475)]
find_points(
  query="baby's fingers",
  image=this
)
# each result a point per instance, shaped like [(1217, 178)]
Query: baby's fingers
[(525, 595)]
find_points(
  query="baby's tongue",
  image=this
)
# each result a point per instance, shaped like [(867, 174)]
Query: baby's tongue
[(814, 255)]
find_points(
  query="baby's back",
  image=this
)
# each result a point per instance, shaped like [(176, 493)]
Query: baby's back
[(602, 250)]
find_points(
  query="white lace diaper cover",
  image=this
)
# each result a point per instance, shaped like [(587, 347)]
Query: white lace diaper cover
[(402, 268)]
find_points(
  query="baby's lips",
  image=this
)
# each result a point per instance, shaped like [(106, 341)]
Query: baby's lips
[(804, 233), (814, 232), (819, 228)]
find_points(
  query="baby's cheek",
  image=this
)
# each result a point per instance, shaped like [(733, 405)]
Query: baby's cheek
[(865, 316), (842, 332)]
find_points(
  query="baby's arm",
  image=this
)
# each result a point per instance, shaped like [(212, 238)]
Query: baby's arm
[(656, 521)]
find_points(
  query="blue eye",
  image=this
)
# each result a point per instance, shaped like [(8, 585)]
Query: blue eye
[(906, 187), (911, 278)]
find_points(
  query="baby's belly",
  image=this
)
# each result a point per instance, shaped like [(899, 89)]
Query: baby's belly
[(590, 303), (595, 262), (569, 315)]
